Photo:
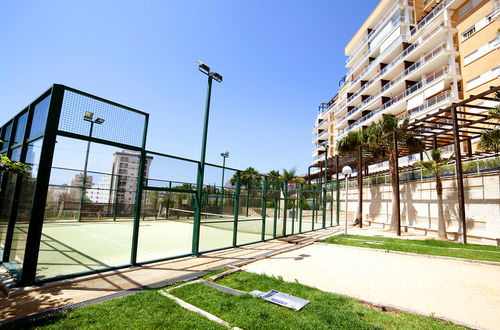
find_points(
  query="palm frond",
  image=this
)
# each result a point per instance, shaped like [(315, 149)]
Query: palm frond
[(490, 140)]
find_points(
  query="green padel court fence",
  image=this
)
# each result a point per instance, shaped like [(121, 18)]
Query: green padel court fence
[(96, 199)]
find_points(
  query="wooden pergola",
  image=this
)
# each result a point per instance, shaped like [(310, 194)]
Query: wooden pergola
[(457, 125)]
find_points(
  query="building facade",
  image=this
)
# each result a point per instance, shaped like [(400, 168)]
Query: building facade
[(124, 175), (410, 58)]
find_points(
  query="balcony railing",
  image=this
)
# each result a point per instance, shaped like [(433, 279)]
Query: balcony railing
[(379, 24), (427, 80), (319, 136), (427, 104), (426, 58), (430, 16), (393, 62)]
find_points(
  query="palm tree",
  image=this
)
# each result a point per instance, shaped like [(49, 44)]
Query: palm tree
[(348, 145), (273, 178), (288, 175), (435, 163), (249, 178), (382, 143), (490, 139)]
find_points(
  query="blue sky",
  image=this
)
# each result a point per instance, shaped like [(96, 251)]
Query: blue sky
[(279, 59)]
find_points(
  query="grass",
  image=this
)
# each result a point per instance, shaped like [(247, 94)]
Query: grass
[(325, 310), (144, 310), (429, 247), (150, 310)]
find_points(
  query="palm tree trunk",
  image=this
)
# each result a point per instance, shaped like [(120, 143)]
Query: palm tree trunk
[(394, 173), (441, 224)]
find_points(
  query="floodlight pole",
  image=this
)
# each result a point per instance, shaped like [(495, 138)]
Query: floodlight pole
[(201, 166), (80, 207)]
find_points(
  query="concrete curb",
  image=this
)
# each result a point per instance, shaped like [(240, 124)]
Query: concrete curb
[(484, 262)]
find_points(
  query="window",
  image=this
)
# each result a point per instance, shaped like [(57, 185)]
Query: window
[(483, 78), (124, 159), (468, 33), (123, 165), (468, 7)]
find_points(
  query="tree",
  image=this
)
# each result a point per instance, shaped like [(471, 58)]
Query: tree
[(349, 145), (435, 163), (490, 139), (288, 175), (381, 142), (249, 178), (7, 165), (273, 179)]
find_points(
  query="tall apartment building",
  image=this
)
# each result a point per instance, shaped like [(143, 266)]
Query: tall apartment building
[(410, 58), (124, 176), (119, 187)]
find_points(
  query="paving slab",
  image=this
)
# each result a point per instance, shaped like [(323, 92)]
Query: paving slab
[(453, 289)]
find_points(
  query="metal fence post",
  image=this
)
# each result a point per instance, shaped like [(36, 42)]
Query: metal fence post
[(285, 208), (138, 196), (236, 209), (264, 208), (41, 187), (275, 217), (17, 187), (300, 207)]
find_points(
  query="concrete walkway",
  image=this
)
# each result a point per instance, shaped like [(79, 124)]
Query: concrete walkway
[(32, 300), (457, 290)]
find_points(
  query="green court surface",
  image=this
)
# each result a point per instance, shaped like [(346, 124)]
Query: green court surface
[(69, 247)]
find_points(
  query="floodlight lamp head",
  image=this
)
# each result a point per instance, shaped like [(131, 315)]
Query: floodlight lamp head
[(203, 67), (225, 154), (216, 76), (88, 116), (347, 170), (99, 121)]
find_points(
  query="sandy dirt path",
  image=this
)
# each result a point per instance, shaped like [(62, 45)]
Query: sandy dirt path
[(457, 290)]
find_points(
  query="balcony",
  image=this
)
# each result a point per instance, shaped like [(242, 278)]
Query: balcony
[(427, 80), (430, 16), (428, 104), (394, 62), (425, 59), (375, 30), (322, 136), (319, 126)]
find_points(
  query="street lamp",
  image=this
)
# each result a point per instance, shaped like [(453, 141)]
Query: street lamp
[(347, 170), (205, 69), (88, 116), (224, 156)]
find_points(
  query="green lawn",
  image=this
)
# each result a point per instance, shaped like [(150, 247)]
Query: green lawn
[(325, 311), (149, 309), (144, 310), (430, 247)]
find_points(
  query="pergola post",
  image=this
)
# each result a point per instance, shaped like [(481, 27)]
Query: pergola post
[(360, 185), (459, 174), (396, 184)]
